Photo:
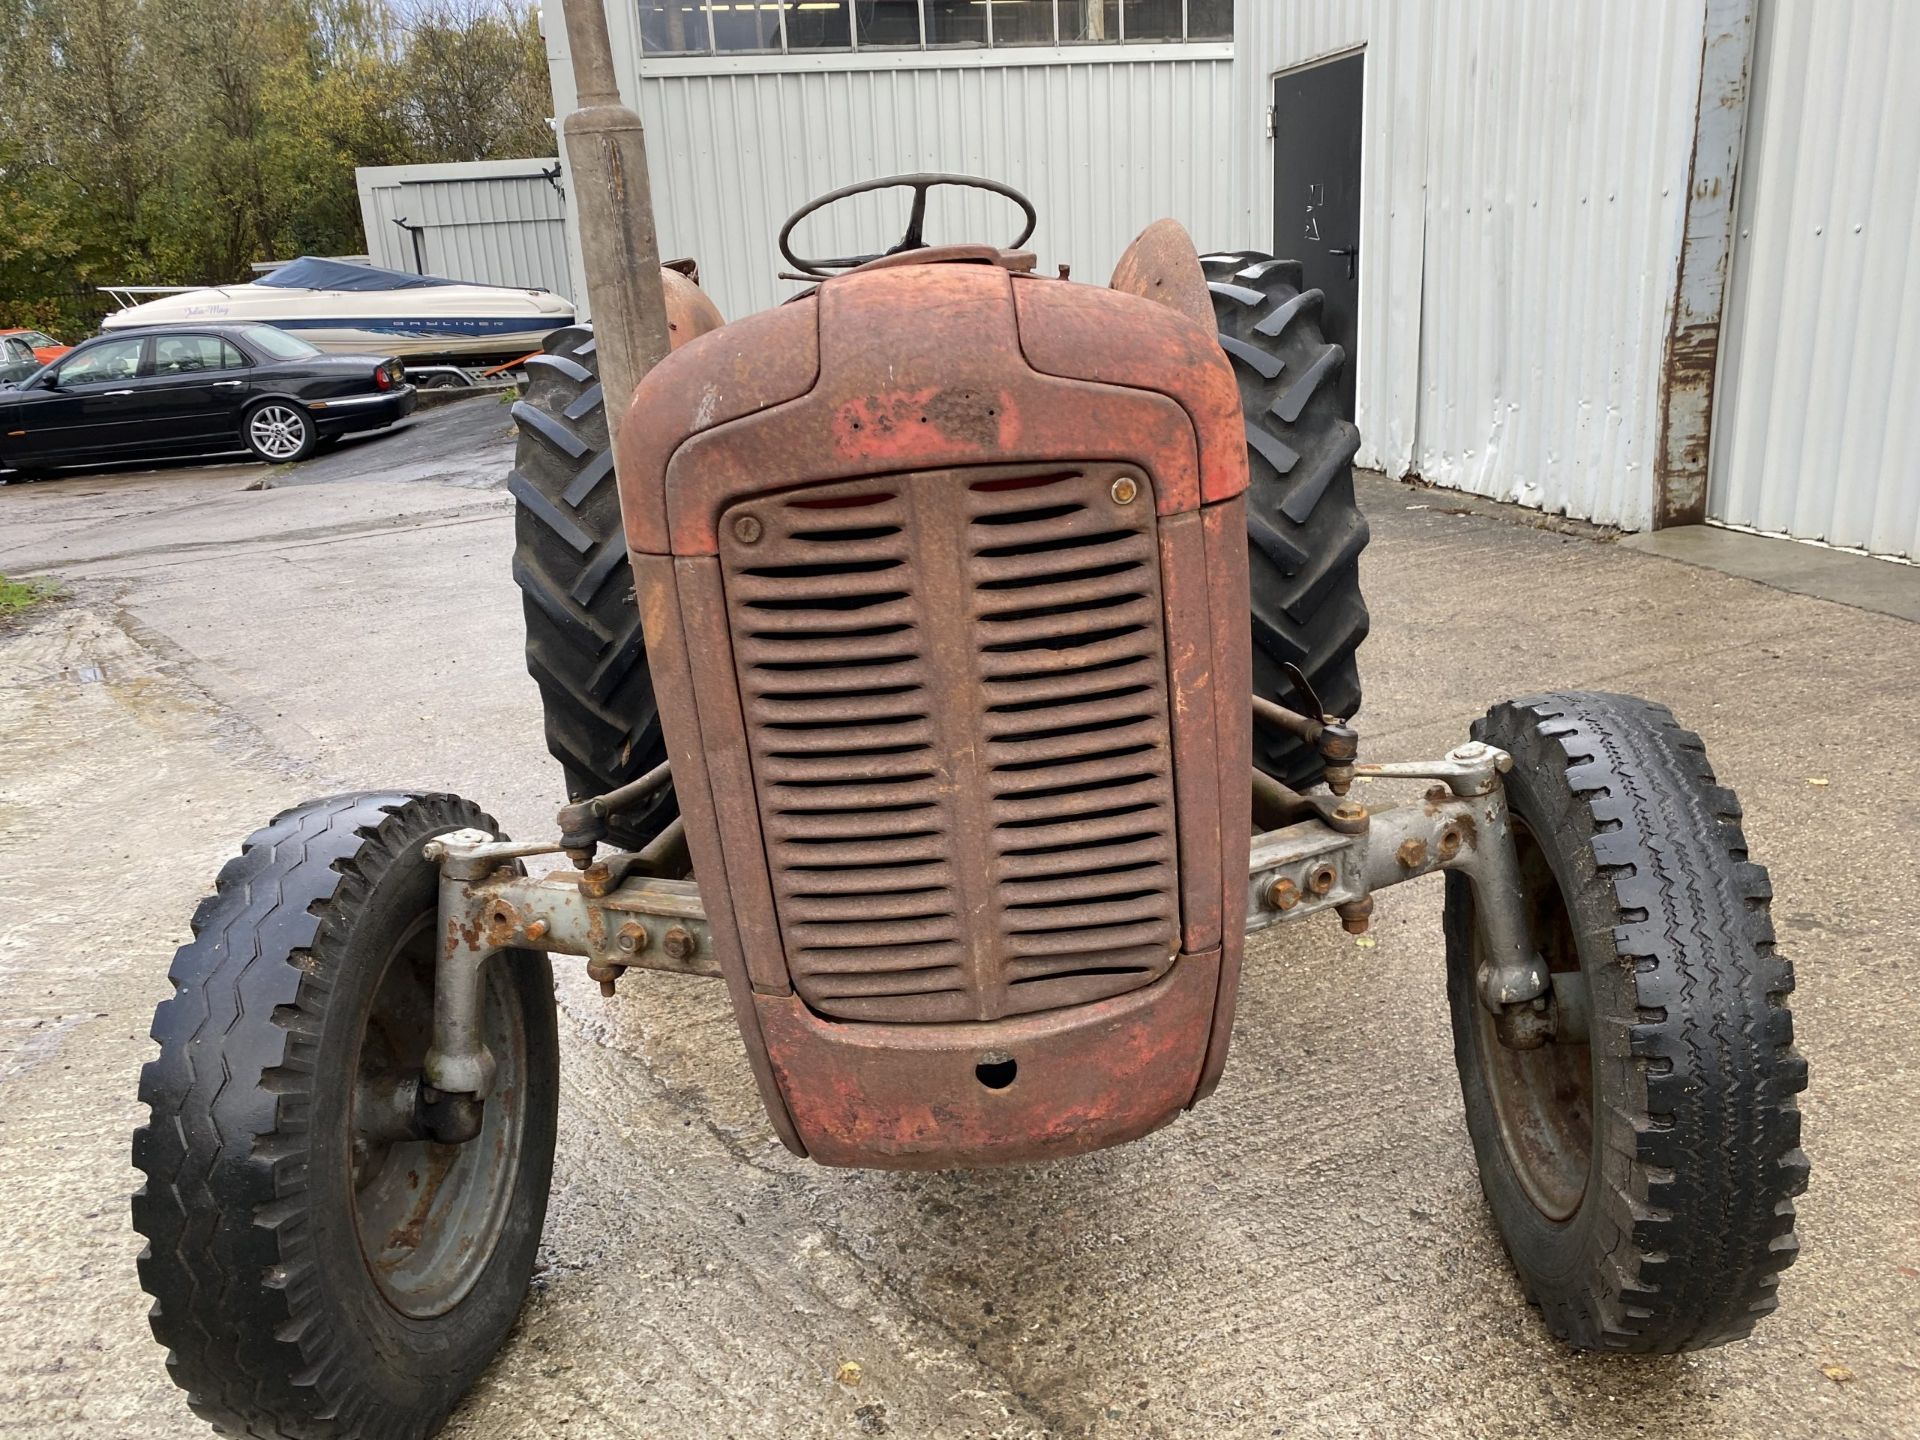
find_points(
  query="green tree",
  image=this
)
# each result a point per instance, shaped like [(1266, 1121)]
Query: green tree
[(179, 141), (475, 78)]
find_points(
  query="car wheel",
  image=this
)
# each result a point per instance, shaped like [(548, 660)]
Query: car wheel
[(279, 432)]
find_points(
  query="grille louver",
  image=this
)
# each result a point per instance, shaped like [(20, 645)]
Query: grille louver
[(955, 692)]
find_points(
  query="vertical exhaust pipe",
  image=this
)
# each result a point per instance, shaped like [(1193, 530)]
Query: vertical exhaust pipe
[(613, 201)]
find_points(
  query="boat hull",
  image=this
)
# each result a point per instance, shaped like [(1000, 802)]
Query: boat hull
[(454, 322)]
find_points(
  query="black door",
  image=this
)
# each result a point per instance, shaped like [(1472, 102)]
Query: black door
[(1316, 190), (194, 392), (83, 410)]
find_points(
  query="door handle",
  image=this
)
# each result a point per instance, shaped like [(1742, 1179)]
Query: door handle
[(228, 384), (1352, 252), (119, 392)]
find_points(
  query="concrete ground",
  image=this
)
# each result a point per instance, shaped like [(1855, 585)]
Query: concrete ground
[(1305, 1255)]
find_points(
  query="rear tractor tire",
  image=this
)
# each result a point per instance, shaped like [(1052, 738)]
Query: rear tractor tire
[(1305, 531), (1641, 1164), (584, 647), (321, 1270)]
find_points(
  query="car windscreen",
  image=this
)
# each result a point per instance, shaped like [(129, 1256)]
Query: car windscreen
[(279, 344)]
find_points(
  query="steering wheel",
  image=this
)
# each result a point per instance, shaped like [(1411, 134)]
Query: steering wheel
[(920, 185)]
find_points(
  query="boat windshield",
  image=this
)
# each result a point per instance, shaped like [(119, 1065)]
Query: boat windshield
[(311, 272), (279, 344)]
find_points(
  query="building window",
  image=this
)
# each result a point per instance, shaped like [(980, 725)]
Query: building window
[(819, 25), (1209, 19), (746, 26), (955, 22), (1023, 22), (762, 27)]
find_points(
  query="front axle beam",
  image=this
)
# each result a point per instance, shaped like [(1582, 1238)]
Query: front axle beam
[(622, 918)]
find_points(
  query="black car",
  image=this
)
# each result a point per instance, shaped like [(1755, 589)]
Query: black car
[(138, 394)]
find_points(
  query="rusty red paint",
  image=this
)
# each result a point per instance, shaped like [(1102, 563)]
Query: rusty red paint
[(932, 376), (910, 1097), (1161, 265), (915, 839)]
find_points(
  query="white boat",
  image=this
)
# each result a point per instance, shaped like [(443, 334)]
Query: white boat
[(348, 309)]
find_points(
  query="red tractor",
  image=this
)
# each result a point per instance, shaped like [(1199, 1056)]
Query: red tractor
[(953, 660)]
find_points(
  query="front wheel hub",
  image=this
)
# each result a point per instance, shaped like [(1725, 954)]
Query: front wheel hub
[(1539, 1075), (432, 1180)]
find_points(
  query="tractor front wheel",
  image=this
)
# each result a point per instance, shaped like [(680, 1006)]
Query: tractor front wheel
[(1641, 1164), (321, 1266)]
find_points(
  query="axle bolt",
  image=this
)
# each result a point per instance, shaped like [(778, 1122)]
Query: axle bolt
[(1283, 894), (1356, 915), (632, 939), (679, 943), (1321, 881), (1412, 854), (746, 529), (537, 930), (604, 971), (1124, 490)]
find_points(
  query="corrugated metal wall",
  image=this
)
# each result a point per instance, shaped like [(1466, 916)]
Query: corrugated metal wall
[(494, 222), (1091, 144), (1524, 199), (1104, 142), (1817, 432)]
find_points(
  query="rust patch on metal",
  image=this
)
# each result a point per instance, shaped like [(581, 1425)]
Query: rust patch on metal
[(405, 1237), (1161, 265), (691, 312), (913, 1097), (1460, 831), (499, 926), (1019, 261), (1691, 357), (887, 425)]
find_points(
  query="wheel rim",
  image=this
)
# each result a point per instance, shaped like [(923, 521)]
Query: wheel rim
[(1542, 1099), (277, 431), (429, 1216)]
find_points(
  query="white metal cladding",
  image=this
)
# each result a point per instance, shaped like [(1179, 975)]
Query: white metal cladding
[(1817, 430), (494, 222), (1523, 197), (1096, 146)]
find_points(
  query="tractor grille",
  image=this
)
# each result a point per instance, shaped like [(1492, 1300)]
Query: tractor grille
[(955, 692)]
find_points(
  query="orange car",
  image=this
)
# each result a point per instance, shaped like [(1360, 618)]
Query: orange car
[(45, 347)]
